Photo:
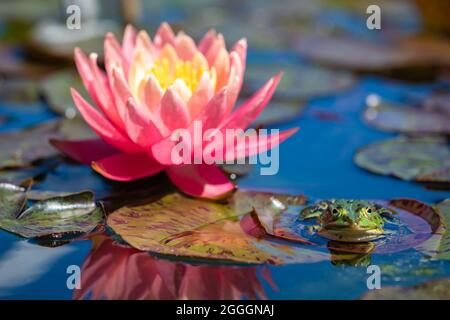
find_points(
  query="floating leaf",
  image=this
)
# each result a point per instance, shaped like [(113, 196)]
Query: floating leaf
[(22, 148), (405, 119), (180, 226), (419, 222), (278, 112), (420, 159), (354, 54), (412, 58), (12, 199), (439, 102), (443, 251), (432, 290), (18, 176), (56, 90), (75, 213), (298, 81)]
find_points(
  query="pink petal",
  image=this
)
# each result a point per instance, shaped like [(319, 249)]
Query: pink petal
[(215, 48), (114, 56), (103, 97), (250, 109), (201, 96), (210, 117), (241, 49), (173, 111), (234, 81), (84, 151), (201, 180), (207, 41), (222, 66), (164, 35), (129, 41), (245, 149), (185, 46), (102, 126), (143, 42), (152, 94), (127, 167), (141, 131)]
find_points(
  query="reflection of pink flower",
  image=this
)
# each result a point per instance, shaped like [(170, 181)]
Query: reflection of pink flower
[(114, 272), (150, 89)]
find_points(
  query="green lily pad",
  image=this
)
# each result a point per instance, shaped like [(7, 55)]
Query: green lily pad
[(421, 159), (179, 226), (71, 214), (298, 81), (406, 119), (432, 290)]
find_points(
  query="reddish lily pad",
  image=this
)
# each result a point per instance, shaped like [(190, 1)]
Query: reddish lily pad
[(58, 216), (406, 119), (180, 226), (424, 159), (419, 223)]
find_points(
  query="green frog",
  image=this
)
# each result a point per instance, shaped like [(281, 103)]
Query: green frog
[(349, 220)]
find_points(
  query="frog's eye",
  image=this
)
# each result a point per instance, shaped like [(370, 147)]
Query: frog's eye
[(369, 210), (335, 211), (323, 205)]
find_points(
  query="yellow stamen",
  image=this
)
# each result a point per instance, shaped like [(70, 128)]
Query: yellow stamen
[(185, 70)]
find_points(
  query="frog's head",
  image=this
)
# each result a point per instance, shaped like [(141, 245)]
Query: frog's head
[(352, 221)]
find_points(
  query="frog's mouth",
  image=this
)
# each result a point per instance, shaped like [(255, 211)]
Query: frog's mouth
[(350, 233)]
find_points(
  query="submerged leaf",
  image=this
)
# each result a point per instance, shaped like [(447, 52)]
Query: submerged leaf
[(407, 119), (420, 159), (75, 213), (181, 226)]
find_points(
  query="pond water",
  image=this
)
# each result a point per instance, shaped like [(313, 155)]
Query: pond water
[(317, 162)]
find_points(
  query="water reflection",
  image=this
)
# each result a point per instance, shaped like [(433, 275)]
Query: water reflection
[(112, 271)]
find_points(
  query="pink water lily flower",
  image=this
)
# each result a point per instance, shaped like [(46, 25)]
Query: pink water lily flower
[(152, 87)]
